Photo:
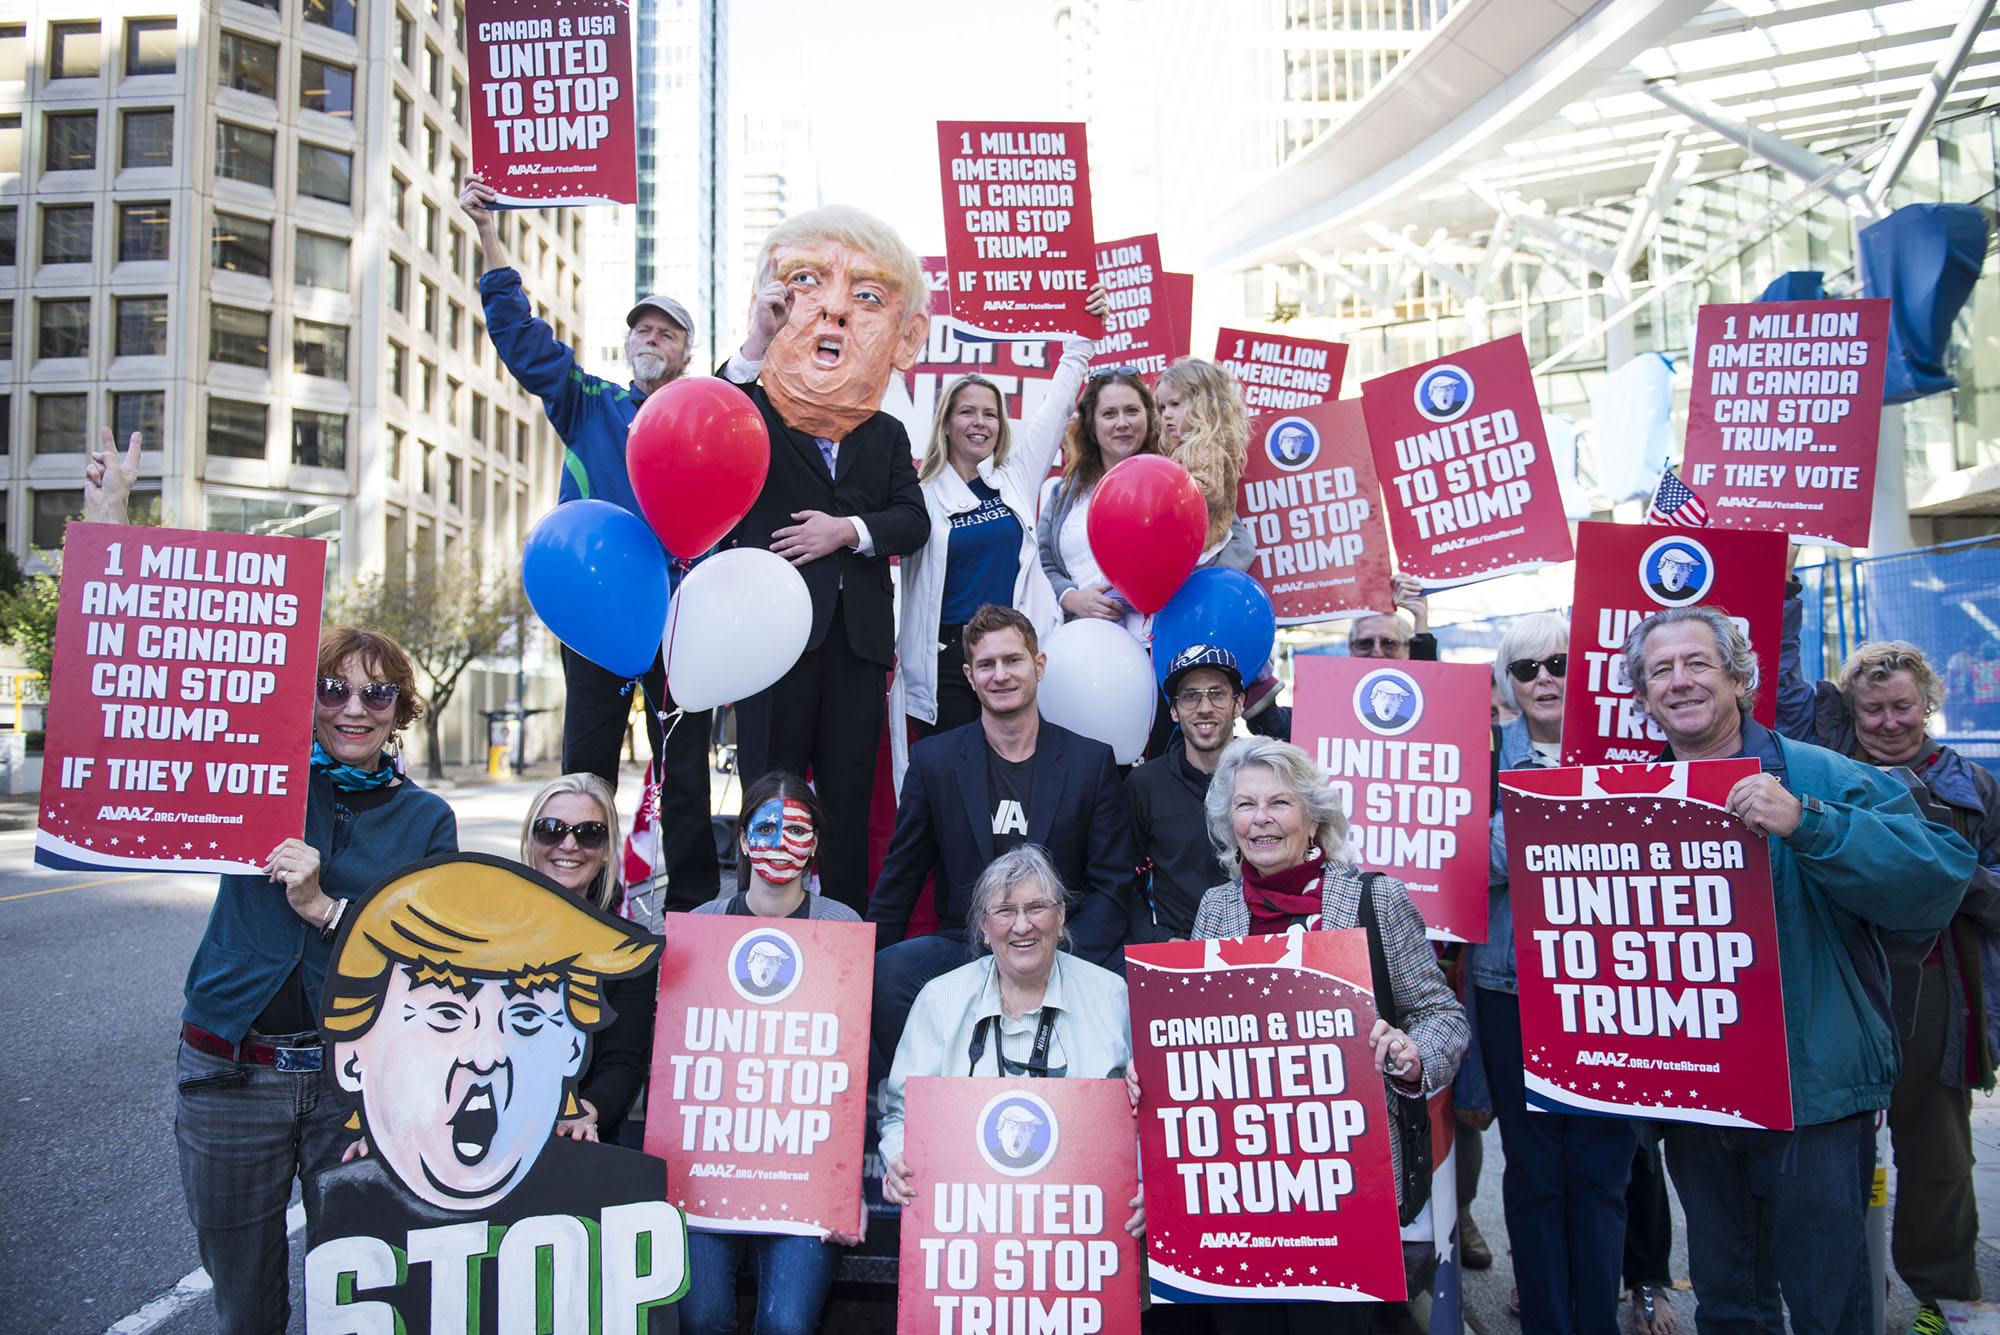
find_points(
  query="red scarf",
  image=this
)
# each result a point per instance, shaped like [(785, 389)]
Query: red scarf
[(1278, 897)]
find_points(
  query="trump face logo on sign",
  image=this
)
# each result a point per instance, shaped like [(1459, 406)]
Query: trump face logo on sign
[(1292, 443), (1444, 393), (1676, 571), (1017, 1133), (1388, 702), (765, 966)]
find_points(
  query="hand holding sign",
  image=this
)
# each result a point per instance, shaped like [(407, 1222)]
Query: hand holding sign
[(1764, 804)]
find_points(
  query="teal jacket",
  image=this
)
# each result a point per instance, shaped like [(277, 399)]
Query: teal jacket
[(1866, 862)]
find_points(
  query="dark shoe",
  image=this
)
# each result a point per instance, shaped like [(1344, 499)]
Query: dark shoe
[(1473, 1253)]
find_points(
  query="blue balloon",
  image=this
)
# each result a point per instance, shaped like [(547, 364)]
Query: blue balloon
[(1217, 606), (597, 578)]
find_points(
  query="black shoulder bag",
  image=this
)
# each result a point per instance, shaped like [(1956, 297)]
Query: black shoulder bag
[(1409, 1119)]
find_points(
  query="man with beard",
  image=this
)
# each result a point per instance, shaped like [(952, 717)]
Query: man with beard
[(976, 792), (1167, 795), (842, 305), (593, 416)]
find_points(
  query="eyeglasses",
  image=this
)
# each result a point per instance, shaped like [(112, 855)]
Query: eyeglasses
[(1099, 372), (549, 832), (1385, 647), (1006, 914), (1215, 695), (1523, 670), (378, 696)]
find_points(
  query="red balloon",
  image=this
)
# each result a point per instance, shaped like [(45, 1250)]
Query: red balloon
[(1147, 520), (697, 455)]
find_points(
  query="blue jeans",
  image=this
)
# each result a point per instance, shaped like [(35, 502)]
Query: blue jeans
[(1777, 1213), (1563, 1192), (244, 1132), (901, 971), (793, 1276)]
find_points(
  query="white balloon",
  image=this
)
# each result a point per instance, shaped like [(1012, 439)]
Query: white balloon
[(738, 622), (1099, 683)]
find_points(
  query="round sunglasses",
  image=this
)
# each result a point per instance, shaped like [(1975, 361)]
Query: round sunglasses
[(549, 832), (1523, 670), (379, 697)]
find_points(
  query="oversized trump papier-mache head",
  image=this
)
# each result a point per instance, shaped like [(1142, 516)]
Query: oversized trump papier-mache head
[(459, 1002), (860, 311)]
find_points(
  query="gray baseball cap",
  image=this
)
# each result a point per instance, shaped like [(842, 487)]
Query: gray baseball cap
[(666, 306)]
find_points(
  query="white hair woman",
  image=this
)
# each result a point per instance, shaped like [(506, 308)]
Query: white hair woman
[(1023, 1008), (1878, 711)]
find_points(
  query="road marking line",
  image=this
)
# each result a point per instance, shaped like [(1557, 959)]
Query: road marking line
[(193, 1287), (63, 889)]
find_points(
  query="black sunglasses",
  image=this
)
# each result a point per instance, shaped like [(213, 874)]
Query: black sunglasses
[(1099, 372), (378, 696), (548, 832), (1523, 670)]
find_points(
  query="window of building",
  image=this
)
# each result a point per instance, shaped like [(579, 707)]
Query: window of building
[(60, 422), (66, 230), (335, 14), (430, 227), (244, 154), (242, 245), (426, 385), (399, 370), (399, 196), (520, 442), (457, 248), (146, 139), (430, 309), (458, 100), (319, 440), (429, 479), (479, 417), (6, 331), (13, 53), (433, 147), (271, 5), (458, 26), (399, 286), (326, 173), (457, 168), (142, 327), (143, 411), (293, 519), (71, 141), (248, 65), (403, 121), (10, 231), (143, 231), (236, 430), (434, 71), (319, 349), (451, 390), (240, 337), (392, 455), (454, 324), (53, 511), (62, 327), (326, 87), (406, 30), (321, 261), (10, 144), (150, 46), (76, 50), (454, 480), (475, 492)]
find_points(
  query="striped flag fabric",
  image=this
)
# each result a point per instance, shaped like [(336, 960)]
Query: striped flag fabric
[(1675, 503)]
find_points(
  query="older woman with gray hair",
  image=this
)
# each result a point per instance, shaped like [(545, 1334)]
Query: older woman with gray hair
[(1023, 1008), (1878, 712)]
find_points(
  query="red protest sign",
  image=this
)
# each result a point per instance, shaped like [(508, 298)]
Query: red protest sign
[(1627, 572), (1017, 230), (1280, 372), (1465, 469), (760, 1071), (1139, 331), (1263, 1125), (1785, 415), (1405, 746), (552, 101), (1647, 936), (1309, 497), (1022, 368), (180, 710), (1023, 1190)]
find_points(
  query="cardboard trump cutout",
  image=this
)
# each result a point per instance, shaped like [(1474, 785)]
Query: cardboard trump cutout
[(459, 1007)]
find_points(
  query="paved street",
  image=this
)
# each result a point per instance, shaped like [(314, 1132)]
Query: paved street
[(92, 1224)]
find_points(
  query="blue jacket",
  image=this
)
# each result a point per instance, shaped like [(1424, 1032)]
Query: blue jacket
[(591, 414), (254, 940), (1492, 963)]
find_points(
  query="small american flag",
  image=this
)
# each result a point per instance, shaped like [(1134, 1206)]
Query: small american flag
[(1675, 503)]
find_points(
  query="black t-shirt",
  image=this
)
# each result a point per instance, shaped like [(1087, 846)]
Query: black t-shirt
[(1007, 786)]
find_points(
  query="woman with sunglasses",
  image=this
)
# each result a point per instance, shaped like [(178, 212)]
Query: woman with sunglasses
[(1115, 420), (1563, 1192), (777, 833)]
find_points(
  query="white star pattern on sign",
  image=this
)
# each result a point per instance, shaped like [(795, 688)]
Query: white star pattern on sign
[(1312, 1270)]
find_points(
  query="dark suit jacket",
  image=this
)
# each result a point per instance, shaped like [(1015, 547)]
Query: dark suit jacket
[(874, 481), (1076, 810)]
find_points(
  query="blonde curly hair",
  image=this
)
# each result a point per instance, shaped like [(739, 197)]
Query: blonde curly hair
[(1214, 437)]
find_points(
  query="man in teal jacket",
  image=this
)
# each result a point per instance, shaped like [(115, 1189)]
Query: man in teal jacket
[(1776, 1214)]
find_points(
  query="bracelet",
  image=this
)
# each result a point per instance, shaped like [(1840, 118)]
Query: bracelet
[(334, 913)]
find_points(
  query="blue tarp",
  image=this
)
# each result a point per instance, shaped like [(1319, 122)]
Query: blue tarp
[(1924, 258), (1798, 285)]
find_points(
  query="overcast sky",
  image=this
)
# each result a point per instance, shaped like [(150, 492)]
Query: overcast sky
[(874, 89)]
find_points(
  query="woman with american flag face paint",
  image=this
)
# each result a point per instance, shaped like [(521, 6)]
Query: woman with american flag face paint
[(777, 835)]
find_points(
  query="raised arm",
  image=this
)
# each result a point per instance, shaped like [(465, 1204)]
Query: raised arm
[(108, 479)]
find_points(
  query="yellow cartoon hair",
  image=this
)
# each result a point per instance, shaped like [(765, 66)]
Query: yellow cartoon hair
[(467, 917)]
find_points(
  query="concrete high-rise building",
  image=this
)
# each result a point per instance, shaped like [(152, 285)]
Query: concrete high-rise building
[(232, 227), (774, 176)]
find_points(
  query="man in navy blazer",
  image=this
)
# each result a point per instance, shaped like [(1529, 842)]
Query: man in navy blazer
[(973, 793)]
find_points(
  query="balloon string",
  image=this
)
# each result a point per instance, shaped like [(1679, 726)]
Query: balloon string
[(668, 722)]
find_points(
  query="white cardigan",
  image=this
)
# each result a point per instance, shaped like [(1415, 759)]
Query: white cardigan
[(1019, 482)]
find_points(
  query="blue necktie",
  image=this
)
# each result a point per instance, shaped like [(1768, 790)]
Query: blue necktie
[(826, 449)]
